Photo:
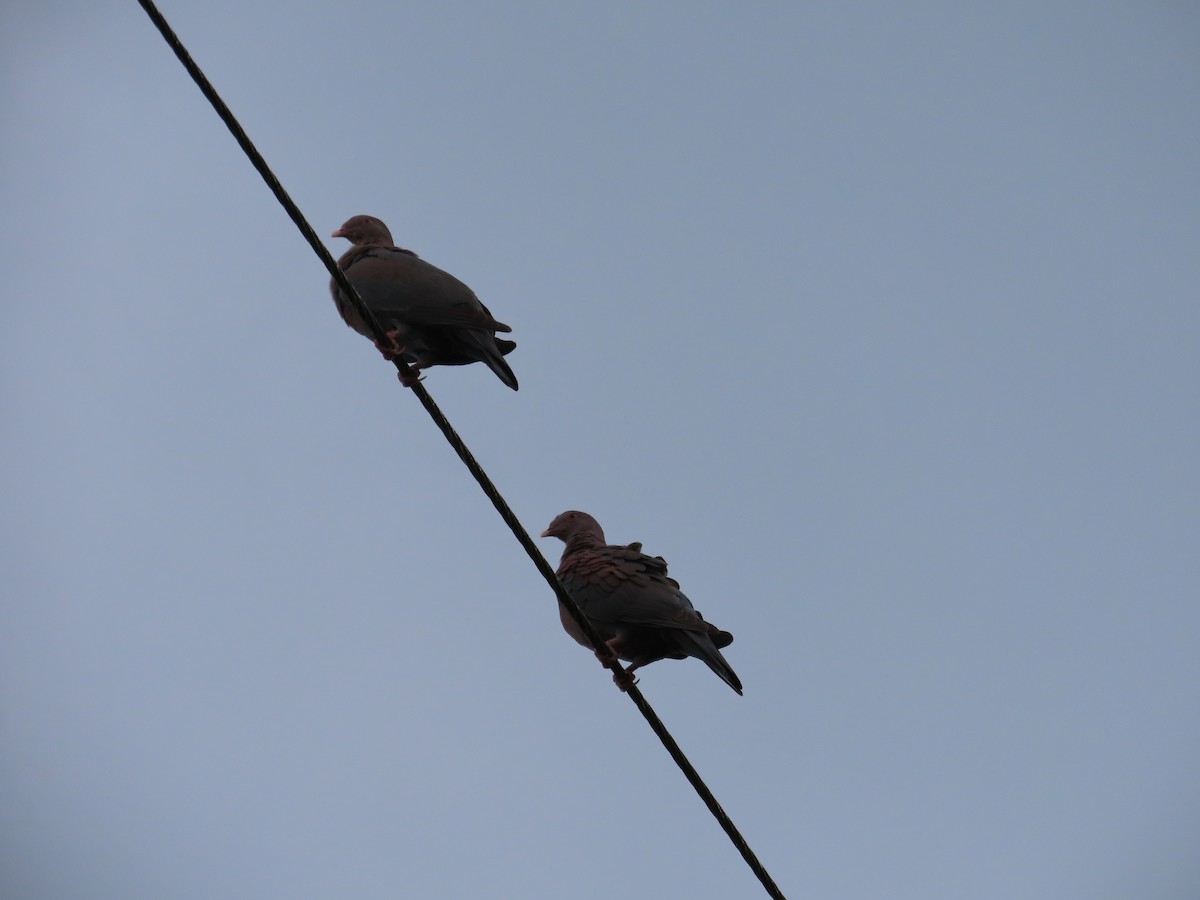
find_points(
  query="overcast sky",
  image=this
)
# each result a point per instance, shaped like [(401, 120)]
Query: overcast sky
[(879, 321)]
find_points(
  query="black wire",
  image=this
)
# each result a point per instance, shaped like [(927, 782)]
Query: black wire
[(456, 442)]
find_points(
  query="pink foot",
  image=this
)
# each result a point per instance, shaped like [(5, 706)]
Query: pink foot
[(624, 681), (410, 380), (608, 654), (393, 349), (606, 657)]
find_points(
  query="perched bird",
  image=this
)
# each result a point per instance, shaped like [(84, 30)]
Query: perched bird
[(640, 613), (431, 318)]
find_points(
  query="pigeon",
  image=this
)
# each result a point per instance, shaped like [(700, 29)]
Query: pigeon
[(431, 318), (641, 614)]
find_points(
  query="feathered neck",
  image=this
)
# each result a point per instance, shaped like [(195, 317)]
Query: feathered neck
[(583, 540)]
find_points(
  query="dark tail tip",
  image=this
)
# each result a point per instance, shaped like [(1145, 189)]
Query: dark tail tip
[(503, 372)]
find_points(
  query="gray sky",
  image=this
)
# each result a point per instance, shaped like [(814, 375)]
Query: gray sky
[(878, 321)]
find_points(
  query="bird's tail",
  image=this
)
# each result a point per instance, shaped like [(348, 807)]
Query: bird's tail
[(702, 647), (491, 350), (496, 363)]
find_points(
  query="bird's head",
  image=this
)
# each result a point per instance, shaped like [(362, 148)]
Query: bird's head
[(365, 230), (566, 525)]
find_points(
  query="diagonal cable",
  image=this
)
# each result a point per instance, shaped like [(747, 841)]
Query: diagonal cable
[(456, 442)]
